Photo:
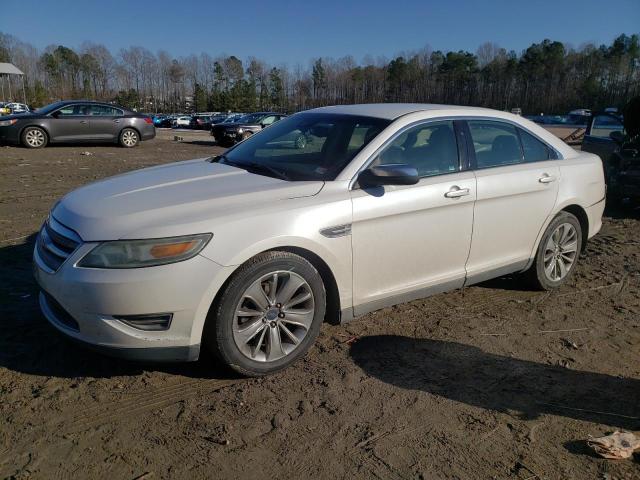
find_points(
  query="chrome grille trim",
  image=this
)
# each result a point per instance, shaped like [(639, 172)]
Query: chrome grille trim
[(56, 243)]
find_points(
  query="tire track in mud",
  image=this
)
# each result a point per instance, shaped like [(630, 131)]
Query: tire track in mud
[(112, 412), (137, 405)]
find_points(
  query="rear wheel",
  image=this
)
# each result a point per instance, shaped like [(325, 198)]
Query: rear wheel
[(269, 315), (34, 137), (129, 138), (557, 253)]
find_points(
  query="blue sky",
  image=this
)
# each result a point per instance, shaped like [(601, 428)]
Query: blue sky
[(294, 32)]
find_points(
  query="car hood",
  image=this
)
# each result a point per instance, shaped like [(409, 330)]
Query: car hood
[(170, 200), (18, 115)]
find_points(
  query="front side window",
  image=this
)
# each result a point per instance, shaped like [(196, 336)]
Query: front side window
[(75, 110), (495, 143), (603, 125), (306, 146), (534, 150), (431, 148)]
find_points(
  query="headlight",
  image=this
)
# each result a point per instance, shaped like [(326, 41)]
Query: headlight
[(144, 253), (240, 130), (8, 123)]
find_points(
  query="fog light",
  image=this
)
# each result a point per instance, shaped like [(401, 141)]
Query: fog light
[(150, 322)]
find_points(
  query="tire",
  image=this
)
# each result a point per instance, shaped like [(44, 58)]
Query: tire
[(557, 253), (262, 342), (129, 138), (34, 137)]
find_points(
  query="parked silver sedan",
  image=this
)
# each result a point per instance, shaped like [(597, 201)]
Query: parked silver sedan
[(75, 122)]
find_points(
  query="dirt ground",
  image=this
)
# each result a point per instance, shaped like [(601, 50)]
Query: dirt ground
[(492, 382)]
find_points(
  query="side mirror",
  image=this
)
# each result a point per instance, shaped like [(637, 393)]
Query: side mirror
[(617, 136), (393, 174), (55, 114)]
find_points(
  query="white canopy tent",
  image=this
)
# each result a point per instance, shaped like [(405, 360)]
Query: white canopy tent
[(7, 70)]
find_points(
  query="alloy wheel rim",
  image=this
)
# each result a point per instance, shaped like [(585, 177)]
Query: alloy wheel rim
[(560, 252), (35, 138), (129, 138), (273, 316)]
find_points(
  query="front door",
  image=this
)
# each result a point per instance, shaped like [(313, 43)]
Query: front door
[(70, 123), (412, 241)]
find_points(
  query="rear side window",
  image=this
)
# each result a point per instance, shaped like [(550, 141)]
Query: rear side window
[(534, 150), (105, 111), (495, 143)]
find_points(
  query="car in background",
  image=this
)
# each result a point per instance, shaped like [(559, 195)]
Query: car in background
[(200, 122), (76, 121), (248, 253), (228, 134), (9, 108), (162, 121), (616, 140), (181, 121)]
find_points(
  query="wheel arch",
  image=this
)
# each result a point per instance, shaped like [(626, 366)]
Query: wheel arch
[(130, 127), (581, 214), (332, 314), (41, 127)]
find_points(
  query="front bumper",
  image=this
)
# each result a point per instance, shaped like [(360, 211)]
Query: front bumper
[(629, 184), (83, 303), (10, 135)]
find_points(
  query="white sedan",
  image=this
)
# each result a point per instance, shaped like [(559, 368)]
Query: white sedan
[(248, 253), (182, 121)]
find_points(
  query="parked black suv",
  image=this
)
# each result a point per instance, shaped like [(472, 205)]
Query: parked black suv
[(617, 141), (227, 134)]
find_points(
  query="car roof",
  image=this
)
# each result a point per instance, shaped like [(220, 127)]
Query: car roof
[(92, 102), (391, 111)]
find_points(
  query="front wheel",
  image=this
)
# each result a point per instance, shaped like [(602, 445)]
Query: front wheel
[(269, 314), (129, 138), (34, 137), (557, 253)]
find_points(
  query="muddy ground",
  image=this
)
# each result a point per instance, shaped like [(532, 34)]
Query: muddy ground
[(493, 382)]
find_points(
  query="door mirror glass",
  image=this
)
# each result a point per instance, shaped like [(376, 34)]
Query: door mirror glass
[(393, 174)]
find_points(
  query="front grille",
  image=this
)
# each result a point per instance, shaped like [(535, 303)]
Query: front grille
[(55, 243), (60, 314)]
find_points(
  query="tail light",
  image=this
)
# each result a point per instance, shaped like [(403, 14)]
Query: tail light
[(148, 120)]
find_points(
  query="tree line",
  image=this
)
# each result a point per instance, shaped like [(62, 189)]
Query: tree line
[(549, 77)]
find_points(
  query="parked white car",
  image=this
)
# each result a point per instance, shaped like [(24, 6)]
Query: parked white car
[(246, 254), (182, 121)]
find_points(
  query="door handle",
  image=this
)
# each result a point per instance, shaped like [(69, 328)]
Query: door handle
[(83, 121), (457, 192), (546, 178), (116, 121)]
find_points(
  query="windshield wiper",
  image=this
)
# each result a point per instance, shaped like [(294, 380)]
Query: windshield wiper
[(262, 168), (253, 167)]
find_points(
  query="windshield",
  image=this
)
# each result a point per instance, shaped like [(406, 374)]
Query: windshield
[(49, 108), (307, 146), (252, 118)]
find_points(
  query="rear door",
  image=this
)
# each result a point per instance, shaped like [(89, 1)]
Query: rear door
[(71, 123), (517, 186), (105, 122)]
